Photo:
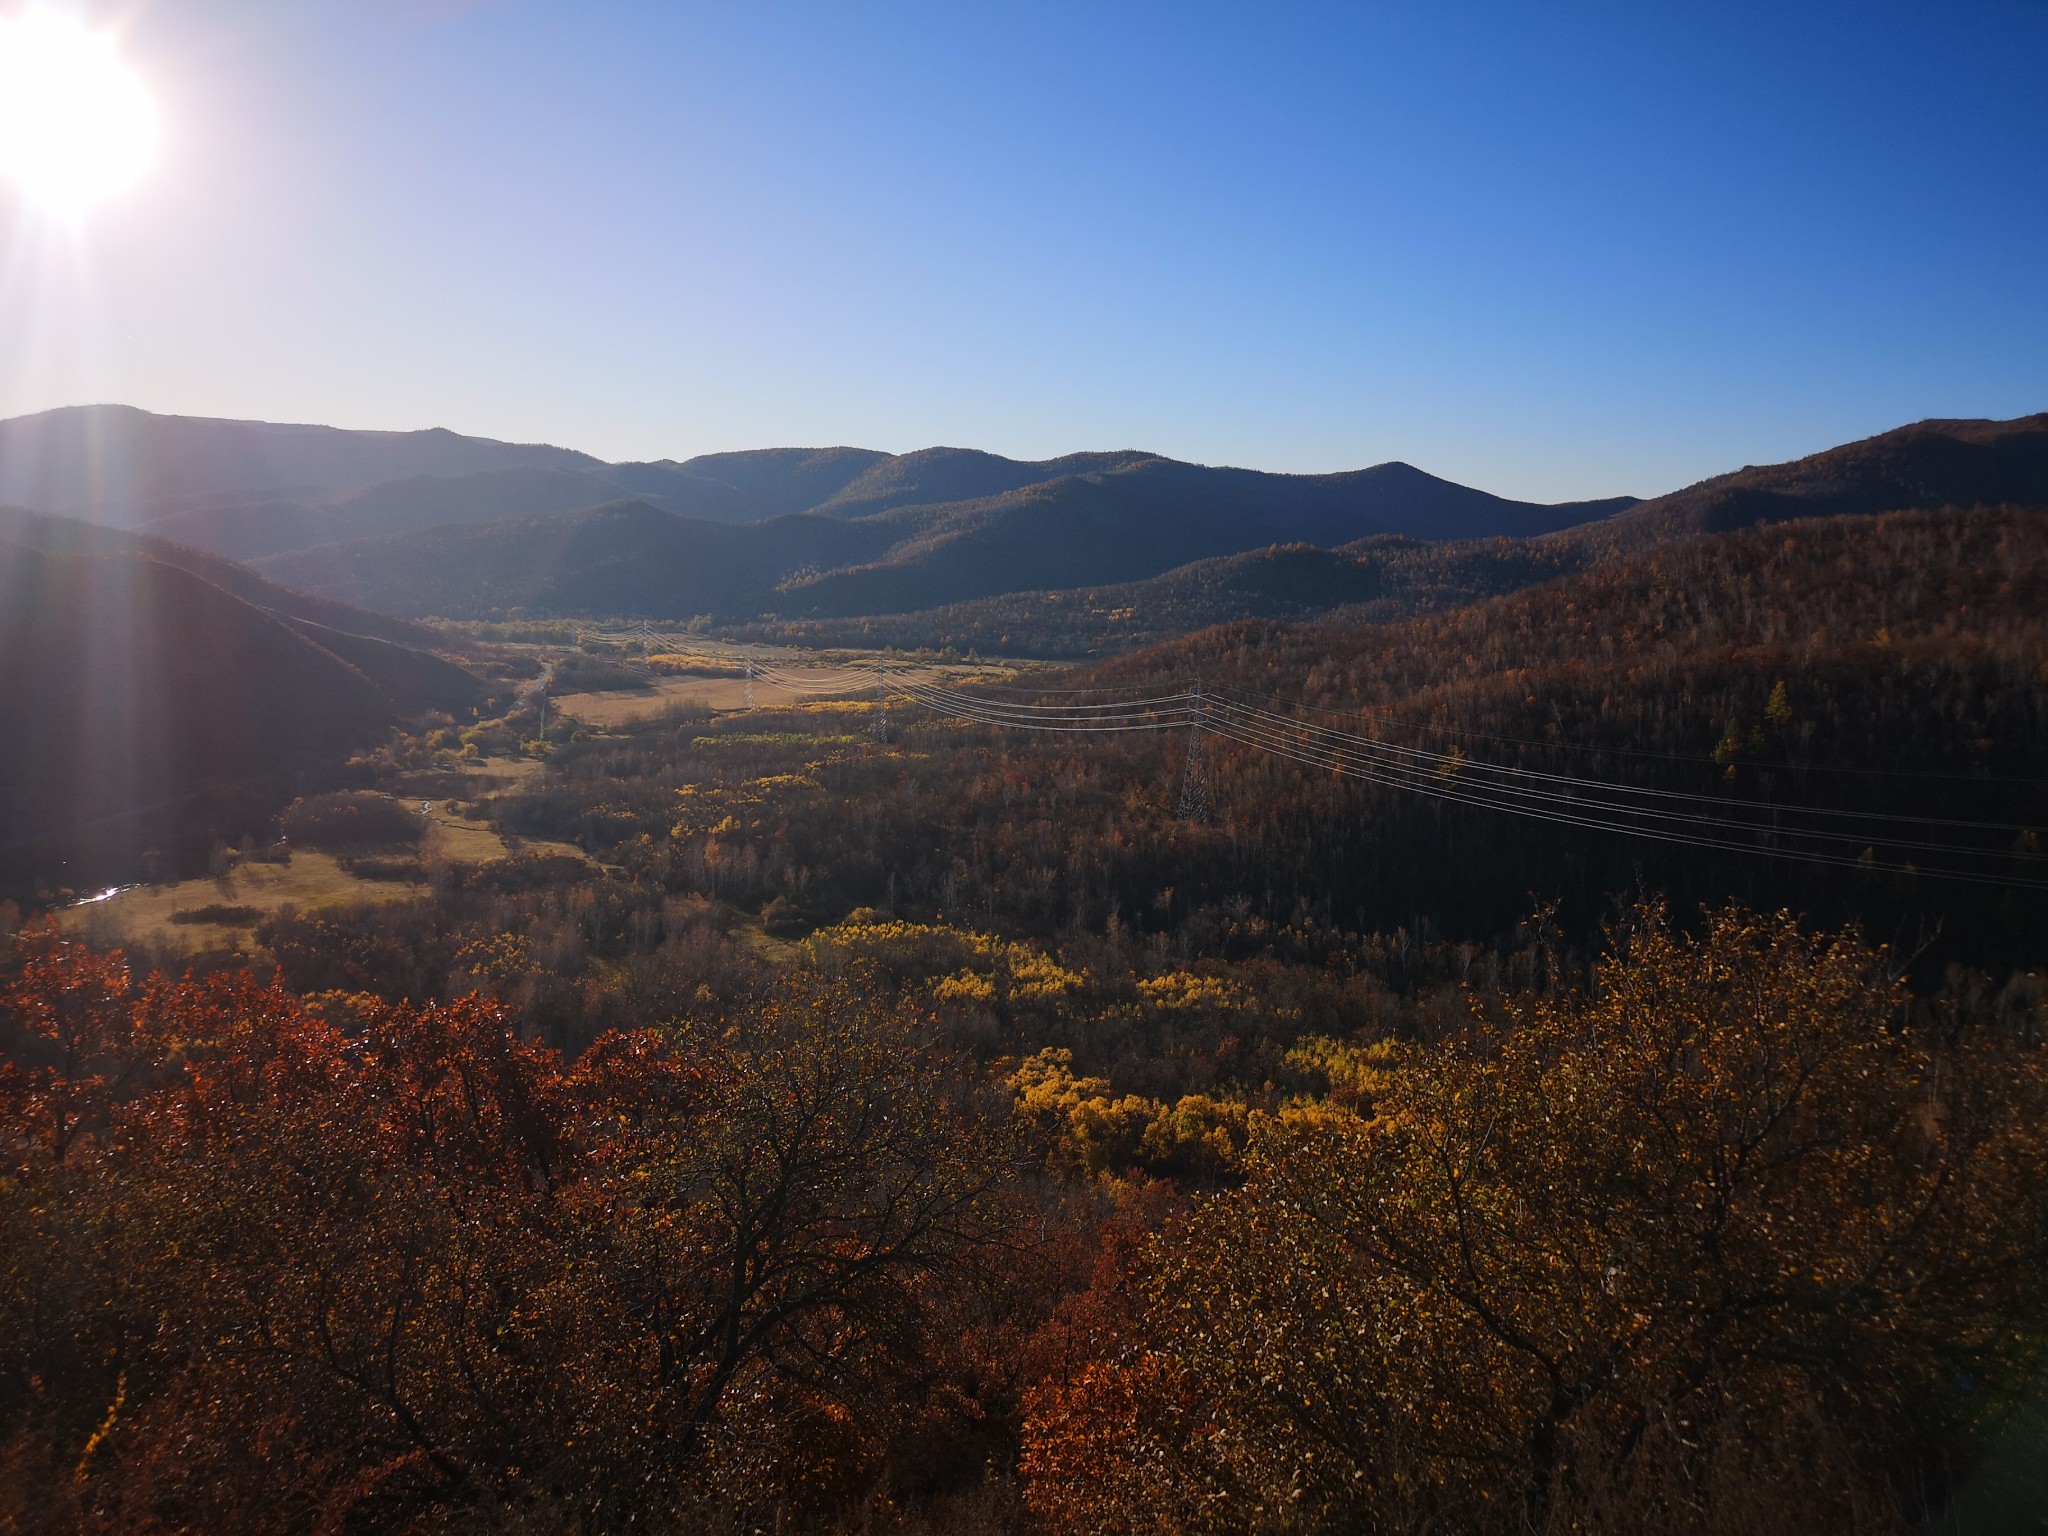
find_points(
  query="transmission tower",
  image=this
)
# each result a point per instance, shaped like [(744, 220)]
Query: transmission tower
[(750, 683), (882, 706), (1194, 779)]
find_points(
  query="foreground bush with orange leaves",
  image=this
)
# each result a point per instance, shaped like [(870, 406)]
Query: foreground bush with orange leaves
[(264, 1272), (1738, 1242)]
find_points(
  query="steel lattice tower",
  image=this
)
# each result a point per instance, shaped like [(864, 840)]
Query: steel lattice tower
[(1194, 780)]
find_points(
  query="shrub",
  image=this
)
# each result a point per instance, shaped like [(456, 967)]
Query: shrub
[(351, 819), (587, 674), (385, 869), (216, 912)]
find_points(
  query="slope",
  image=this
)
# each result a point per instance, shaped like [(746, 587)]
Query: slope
[(1149, 516), (1383, 577), (112, 462), (934, 476), (163, 705), (68, 536), (623, 558), (1964, 463), (244, 528), (779, 481)]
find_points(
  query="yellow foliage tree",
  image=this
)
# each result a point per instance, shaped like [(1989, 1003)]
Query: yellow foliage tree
[(1727, 1235)]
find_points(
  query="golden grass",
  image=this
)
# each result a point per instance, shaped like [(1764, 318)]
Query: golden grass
[(748, 933), (723, 694), (143, 915), (609, 709), (310, 881)]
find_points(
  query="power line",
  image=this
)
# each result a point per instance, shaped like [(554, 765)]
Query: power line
[(1776, 808), (1385, 713), (1680, 817), (1451, 777)]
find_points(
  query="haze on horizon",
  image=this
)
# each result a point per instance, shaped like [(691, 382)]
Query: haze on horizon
[(1591, 252)]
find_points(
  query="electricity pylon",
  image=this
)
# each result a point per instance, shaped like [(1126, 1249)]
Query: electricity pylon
[(1194, 779)]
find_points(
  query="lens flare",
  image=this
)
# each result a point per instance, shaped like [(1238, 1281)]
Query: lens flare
[(76, 125)]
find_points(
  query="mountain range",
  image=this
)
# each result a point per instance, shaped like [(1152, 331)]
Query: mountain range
[(430, 523), (1929, 465), (1066, 556), (1131, 521)]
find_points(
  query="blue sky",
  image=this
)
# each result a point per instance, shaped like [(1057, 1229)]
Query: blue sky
[(1551, 250)]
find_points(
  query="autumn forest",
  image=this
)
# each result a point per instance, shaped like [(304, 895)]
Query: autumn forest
[(855, 1111)]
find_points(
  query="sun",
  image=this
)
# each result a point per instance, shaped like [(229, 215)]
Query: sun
[(76, 125)]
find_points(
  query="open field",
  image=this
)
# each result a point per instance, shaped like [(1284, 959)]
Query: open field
[(625, 706), (253, 891), (723, 694), (145, 914)]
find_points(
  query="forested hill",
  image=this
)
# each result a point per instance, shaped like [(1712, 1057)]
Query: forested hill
[(114, 463), (1899, 593), (1866, 668), (1960, 464), (159, 702), (1893, 665), (245, 527), (1369, 580), (1149, 516), (68, 536), (1928, 464), (1126, 523)]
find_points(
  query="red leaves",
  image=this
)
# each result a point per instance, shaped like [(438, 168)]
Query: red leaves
[(69, 1038), (460, 1093), (406, 1262)]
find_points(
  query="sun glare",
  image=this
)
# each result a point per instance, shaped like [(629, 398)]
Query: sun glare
[(76, 125)]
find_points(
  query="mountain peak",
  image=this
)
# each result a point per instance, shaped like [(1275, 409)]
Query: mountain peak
[(113, 463), (1923, 465)]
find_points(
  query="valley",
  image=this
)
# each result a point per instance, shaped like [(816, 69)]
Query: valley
[(1020, 770), (1125, 930)]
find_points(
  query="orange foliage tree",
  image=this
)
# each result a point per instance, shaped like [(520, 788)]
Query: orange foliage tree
[(259, 1272)]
